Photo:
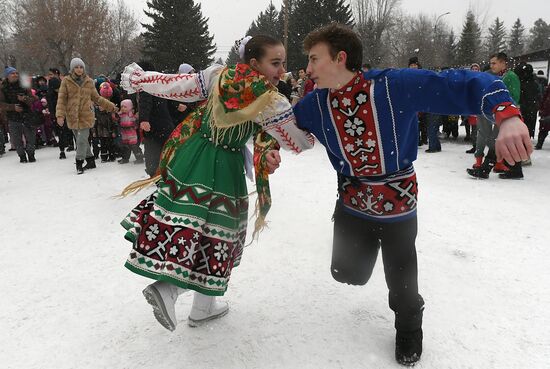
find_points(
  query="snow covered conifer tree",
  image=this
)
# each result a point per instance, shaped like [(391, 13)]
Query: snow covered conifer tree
[(178, 33)]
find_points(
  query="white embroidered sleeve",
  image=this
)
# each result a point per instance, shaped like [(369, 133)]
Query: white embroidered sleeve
[(279, 122), (180, 87)]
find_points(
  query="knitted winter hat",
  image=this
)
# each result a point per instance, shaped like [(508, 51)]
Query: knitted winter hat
[(128, 104), (475, 65), (8, 71), (77, 62), (185, 69), (105, 90)]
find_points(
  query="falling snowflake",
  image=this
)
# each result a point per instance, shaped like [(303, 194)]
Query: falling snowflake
[(152, 232)]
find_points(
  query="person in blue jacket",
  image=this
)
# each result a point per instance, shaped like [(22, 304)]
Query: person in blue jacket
[(368, 123)]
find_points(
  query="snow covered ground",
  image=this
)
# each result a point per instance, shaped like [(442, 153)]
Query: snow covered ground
[(68, 302)]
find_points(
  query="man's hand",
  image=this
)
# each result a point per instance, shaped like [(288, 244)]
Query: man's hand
[(146, 126), (60, 121), (182, 108), (18, 108), (513, 143), (273, 160)]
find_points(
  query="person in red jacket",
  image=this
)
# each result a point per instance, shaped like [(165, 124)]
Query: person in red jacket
[(544, 113)]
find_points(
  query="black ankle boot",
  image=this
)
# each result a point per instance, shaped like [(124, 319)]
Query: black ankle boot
[(79, 168), (515, 172), (481, 172), (471, 151), (32, 159), (90, 163), (408, 347), (62, 155), (23, 158)]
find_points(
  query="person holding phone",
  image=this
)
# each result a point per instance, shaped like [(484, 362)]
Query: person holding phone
[(17, 101)]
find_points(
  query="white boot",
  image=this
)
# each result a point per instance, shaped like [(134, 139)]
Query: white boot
[(206, 308), (162, 297)]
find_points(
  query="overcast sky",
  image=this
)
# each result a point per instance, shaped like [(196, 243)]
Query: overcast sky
[(229, 19)]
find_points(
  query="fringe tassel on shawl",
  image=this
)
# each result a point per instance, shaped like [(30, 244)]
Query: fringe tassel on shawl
[(137, 186)]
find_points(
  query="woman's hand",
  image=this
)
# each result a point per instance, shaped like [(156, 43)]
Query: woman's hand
[(273, 160)]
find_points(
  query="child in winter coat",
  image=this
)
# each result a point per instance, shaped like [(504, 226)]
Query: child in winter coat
[(48, 123), (104, 130), (128, 130)]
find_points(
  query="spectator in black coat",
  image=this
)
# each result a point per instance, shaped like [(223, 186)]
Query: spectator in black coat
[(530, 96), (156, 123), (64, 134)]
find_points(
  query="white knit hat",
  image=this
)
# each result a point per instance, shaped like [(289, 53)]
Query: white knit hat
[(185, 69), (76, 62)]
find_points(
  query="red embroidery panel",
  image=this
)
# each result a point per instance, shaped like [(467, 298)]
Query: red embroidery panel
[(353, 116), (386, 199)]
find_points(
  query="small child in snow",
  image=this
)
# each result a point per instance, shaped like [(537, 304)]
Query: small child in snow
[(128, 130), (104, 130)]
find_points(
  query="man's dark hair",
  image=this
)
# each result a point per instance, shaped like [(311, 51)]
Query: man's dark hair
[(500, 56), (55, 71), (256, 47), (338, 38), (413, 60), (540, 73)]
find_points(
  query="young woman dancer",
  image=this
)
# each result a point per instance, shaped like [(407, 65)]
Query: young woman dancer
[(190, 233)]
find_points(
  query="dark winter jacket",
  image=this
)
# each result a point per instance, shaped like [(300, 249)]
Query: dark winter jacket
[(8, 100), (178, 116), (104, 125), (530, 94), (155, 111), (51, 96), (544, 108), (285, 89)]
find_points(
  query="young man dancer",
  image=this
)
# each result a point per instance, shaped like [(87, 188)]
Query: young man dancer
[(368, 124)]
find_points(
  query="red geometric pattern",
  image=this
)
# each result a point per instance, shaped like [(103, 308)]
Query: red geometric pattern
[(177, 191), (354, 119), (186, 253), (389, 199)]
